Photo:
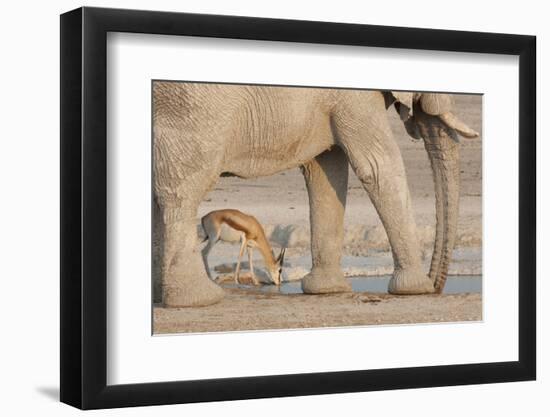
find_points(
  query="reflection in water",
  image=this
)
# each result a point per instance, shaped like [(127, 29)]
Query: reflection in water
[(454, 285)]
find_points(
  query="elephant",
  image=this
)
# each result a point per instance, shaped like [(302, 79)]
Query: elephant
[(202, 131)]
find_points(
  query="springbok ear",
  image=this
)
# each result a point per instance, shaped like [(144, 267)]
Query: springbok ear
[(281, 257)]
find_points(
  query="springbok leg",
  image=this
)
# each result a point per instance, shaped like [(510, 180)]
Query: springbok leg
[(241, 251)]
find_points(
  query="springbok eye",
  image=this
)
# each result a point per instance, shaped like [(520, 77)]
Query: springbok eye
[(280, 270)]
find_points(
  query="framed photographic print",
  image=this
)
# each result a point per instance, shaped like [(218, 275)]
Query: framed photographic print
[(258, 207)]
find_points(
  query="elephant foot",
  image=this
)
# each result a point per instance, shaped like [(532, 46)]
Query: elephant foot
[(324, 281), (193, 293), (410, 282)]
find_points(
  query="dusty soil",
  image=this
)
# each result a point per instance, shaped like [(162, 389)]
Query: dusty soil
[(250, 309)]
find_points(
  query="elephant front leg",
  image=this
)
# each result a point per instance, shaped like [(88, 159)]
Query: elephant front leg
[(390, 196), (383, 176), (365, 135), (327, 181)]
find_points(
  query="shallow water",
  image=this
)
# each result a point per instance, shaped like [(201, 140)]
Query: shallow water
[(454, 285)]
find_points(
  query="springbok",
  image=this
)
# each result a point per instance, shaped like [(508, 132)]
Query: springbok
[(251, 236)]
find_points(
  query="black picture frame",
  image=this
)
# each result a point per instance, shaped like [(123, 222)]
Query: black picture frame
[(84, 207)]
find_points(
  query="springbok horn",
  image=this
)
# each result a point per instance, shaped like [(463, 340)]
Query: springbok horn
[(282, 255), (455, 123)]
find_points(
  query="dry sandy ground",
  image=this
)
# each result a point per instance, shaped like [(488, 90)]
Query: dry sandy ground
[(281, 201), (250, 309)]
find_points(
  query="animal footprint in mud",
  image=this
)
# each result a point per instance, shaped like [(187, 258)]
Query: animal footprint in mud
[(362, 299)]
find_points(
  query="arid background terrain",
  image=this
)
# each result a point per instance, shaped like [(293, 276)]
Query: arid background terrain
[(280, 203)]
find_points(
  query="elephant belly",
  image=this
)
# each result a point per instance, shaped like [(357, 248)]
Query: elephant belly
[(279, 147), (271, 161)]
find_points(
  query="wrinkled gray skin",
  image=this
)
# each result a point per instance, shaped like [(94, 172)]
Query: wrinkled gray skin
[(204, 130)]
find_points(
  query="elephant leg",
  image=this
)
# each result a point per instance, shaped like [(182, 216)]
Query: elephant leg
[(327, 182), (376, 159), (185, 281)]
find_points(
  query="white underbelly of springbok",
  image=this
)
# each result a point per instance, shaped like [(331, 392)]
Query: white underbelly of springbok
[(228, 234)]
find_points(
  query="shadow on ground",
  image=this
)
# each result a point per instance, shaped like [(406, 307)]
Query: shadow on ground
[(50, 392)]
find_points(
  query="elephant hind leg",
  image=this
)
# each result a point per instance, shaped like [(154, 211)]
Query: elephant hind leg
[(185, 281), (327, 182)]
